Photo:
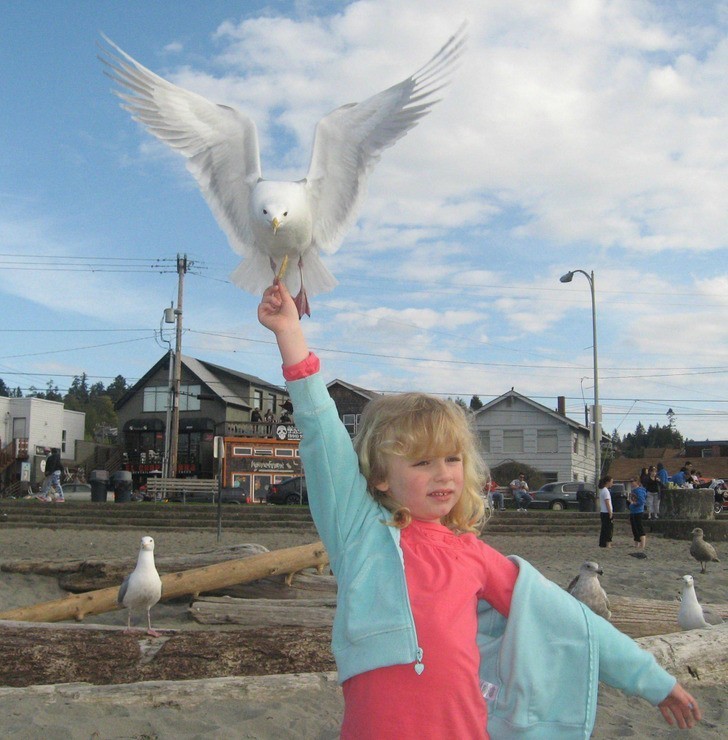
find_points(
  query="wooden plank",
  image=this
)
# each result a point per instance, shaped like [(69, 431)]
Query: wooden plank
[(258, 613)]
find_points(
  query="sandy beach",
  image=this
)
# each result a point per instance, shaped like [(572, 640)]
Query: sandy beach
[(309, 706)]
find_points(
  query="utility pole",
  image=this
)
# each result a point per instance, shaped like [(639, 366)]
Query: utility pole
[(182, 266)]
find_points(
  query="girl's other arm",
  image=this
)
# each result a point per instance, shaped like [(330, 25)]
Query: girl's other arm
[(278, 312)]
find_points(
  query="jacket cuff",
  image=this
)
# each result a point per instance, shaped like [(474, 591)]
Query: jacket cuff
[(310, 366)]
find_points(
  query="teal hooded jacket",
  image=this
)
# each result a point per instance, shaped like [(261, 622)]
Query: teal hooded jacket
[(540, 668)]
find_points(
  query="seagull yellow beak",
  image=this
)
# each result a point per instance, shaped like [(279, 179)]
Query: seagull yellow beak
[(275, 223)]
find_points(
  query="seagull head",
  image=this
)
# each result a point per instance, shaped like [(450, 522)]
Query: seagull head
[(275, 203), (697, 532), (591, 567), (687, 580), (148, 543)]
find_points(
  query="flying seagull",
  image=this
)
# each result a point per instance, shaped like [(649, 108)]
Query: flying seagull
[(588, 590), (266, 221), (702, 551), (142, 588), (693, 616)]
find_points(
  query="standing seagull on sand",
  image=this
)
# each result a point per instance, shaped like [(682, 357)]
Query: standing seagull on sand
[(693, 616), (142, 588), (702, 551), (266, 221), (588, 590)]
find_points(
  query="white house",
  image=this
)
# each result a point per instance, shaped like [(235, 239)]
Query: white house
[(512, 427), (27, 427)]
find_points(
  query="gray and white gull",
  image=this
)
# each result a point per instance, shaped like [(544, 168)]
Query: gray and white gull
[(702, 551), (588, 590), (142, 588)]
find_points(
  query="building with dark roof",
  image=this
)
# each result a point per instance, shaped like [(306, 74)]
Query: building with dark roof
[(213, 400)]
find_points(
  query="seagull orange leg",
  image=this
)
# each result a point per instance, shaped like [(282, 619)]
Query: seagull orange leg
[(301, 300)]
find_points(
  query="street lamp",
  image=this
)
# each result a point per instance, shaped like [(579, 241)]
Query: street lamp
[(597, 415)]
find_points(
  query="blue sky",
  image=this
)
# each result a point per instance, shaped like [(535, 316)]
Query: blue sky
[(585, 134)]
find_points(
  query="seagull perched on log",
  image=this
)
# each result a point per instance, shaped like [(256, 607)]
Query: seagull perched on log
[(693, 616), (142, 588), (269, 221), (588, 590), (702, 551)]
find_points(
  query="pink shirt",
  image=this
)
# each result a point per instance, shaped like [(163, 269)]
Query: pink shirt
[(446, 575)]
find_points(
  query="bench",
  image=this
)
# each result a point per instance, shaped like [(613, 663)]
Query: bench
[(182, 489)]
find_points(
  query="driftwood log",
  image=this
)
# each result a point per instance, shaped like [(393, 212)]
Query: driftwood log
[(79, 576), (645, 617), (36, 654), (194, 582), (257, 613), (48, 653)]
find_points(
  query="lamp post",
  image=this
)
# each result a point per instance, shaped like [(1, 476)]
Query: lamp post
[(597, 414)]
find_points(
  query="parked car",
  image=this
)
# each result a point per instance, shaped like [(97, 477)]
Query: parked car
[(561, 495), (289, 491), (76, 491)]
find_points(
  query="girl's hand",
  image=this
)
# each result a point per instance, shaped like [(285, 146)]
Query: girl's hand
[(277, 311), (680, 708)]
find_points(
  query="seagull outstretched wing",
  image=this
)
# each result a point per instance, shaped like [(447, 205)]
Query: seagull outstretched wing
[(350, 140), (219, 142)]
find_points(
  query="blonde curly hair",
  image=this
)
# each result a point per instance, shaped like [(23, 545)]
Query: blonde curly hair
[(418, 426)]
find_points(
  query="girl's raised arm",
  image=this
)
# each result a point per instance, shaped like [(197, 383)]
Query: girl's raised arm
[(278, 312)]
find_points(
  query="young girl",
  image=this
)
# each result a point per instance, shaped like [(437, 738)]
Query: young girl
[(431, 622)]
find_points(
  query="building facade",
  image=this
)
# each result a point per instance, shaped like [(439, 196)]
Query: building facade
[(29, 426), (515, 428), (213, 401)]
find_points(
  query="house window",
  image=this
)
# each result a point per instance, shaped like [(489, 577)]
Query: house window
[(351, 422), (547, 440), (576, 444), (484, 437), (272, 402), (512, 440), (156, 397), (284, 452), (258, 400), (63, 441)]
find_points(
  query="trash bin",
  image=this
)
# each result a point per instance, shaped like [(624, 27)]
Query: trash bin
[(99, 481), (122, 484), (619, 498), (586, 499)]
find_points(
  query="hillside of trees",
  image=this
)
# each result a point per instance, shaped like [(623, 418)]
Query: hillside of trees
[(95, 400)]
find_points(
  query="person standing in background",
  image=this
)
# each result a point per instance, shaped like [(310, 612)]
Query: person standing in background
[(637, 497), (606, 512), (52, 490), (652, 486)]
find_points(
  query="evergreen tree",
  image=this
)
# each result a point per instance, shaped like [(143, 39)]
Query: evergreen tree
[(475, 403), (4, 390), (117, 388)]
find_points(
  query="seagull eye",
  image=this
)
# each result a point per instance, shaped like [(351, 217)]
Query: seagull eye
[(285, 213), (264, 211)]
